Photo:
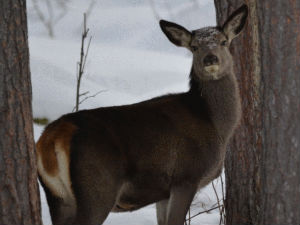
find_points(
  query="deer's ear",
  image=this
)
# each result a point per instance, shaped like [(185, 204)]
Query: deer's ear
[(177, 34), (236, 22)]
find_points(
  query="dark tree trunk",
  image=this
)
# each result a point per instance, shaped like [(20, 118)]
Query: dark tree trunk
[(263, 162), (19, 194)]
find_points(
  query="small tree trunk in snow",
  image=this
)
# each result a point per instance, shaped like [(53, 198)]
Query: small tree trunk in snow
[(19, 193), (263, 163)]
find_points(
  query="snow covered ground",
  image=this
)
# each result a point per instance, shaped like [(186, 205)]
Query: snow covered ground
[(130, 60)]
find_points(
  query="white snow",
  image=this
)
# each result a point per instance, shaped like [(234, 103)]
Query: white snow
[(130, 60)]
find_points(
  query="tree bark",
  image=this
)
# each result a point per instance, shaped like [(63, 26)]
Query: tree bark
[(262, 165), (19, 194)]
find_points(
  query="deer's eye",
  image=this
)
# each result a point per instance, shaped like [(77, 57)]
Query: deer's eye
[(224, 43), (194, 48)]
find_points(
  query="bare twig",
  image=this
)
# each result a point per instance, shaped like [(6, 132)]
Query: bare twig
[(47, 23), (206, 211), (84, 93), (87, 97), (63, 5), (218, 200), (86, 54), (91, 96), (80, 69), (82, 61), (49, 19), (218, 205), (90, 8), (221, 206), (223, 198), (188, 219)]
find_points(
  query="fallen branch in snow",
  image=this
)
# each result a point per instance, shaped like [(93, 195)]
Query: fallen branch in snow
[(218, 202), (221, 207), (218, 205)]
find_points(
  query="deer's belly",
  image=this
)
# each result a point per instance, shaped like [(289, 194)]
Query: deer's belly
[(132, 197)]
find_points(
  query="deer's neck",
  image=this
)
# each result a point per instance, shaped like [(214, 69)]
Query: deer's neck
[(222, 101)]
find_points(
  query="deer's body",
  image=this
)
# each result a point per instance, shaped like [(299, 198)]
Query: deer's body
[(122, 158)]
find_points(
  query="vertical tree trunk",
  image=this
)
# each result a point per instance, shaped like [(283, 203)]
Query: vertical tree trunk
[(19, 194), (263, 163)]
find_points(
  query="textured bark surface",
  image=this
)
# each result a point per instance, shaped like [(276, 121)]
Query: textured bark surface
[(263, 162), (19, 194)]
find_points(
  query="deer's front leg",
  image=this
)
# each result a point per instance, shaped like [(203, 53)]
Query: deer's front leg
[(161, 211), (179, 203)]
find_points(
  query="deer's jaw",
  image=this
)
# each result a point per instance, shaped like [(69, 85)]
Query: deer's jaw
[(212, 70)]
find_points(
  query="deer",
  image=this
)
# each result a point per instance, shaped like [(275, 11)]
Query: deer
[(163, 150)]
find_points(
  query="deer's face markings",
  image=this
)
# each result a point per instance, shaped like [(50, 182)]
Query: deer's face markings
[(211, 56)]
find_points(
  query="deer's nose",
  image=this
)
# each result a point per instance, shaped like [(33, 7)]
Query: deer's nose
[(210, 60)]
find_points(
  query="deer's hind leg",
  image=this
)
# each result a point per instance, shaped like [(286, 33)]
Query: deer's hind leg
[(97, 174), (94, 209), (61, 212), (95, 196)]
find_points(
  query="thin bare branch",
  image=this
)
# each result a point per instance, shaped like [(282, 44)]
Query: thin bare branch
[(84, 93), (53, 14), (91, 96), (63, 6), (82, 61), (87, 97), (86, 54), (206, 211), (218, 201), (223, 198), (47, 23), (90, 8)]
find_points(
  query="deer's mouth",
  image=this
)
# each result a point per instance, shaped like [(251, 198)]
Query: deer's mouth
[(212, 69)]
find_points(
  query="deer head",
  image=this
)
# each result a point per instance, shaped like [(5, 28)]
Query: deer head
[(209, 45)]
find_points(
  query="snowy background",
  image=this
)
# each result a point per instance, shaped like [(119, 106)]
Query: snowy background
[(130, 60)]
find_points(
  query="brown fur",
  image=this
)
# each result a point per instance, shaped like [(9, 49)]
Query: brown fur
[(57, 133), (161, 150)]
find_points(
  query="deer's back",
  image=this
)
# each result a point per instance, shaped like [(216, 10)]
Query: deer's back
[(150, 136)]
